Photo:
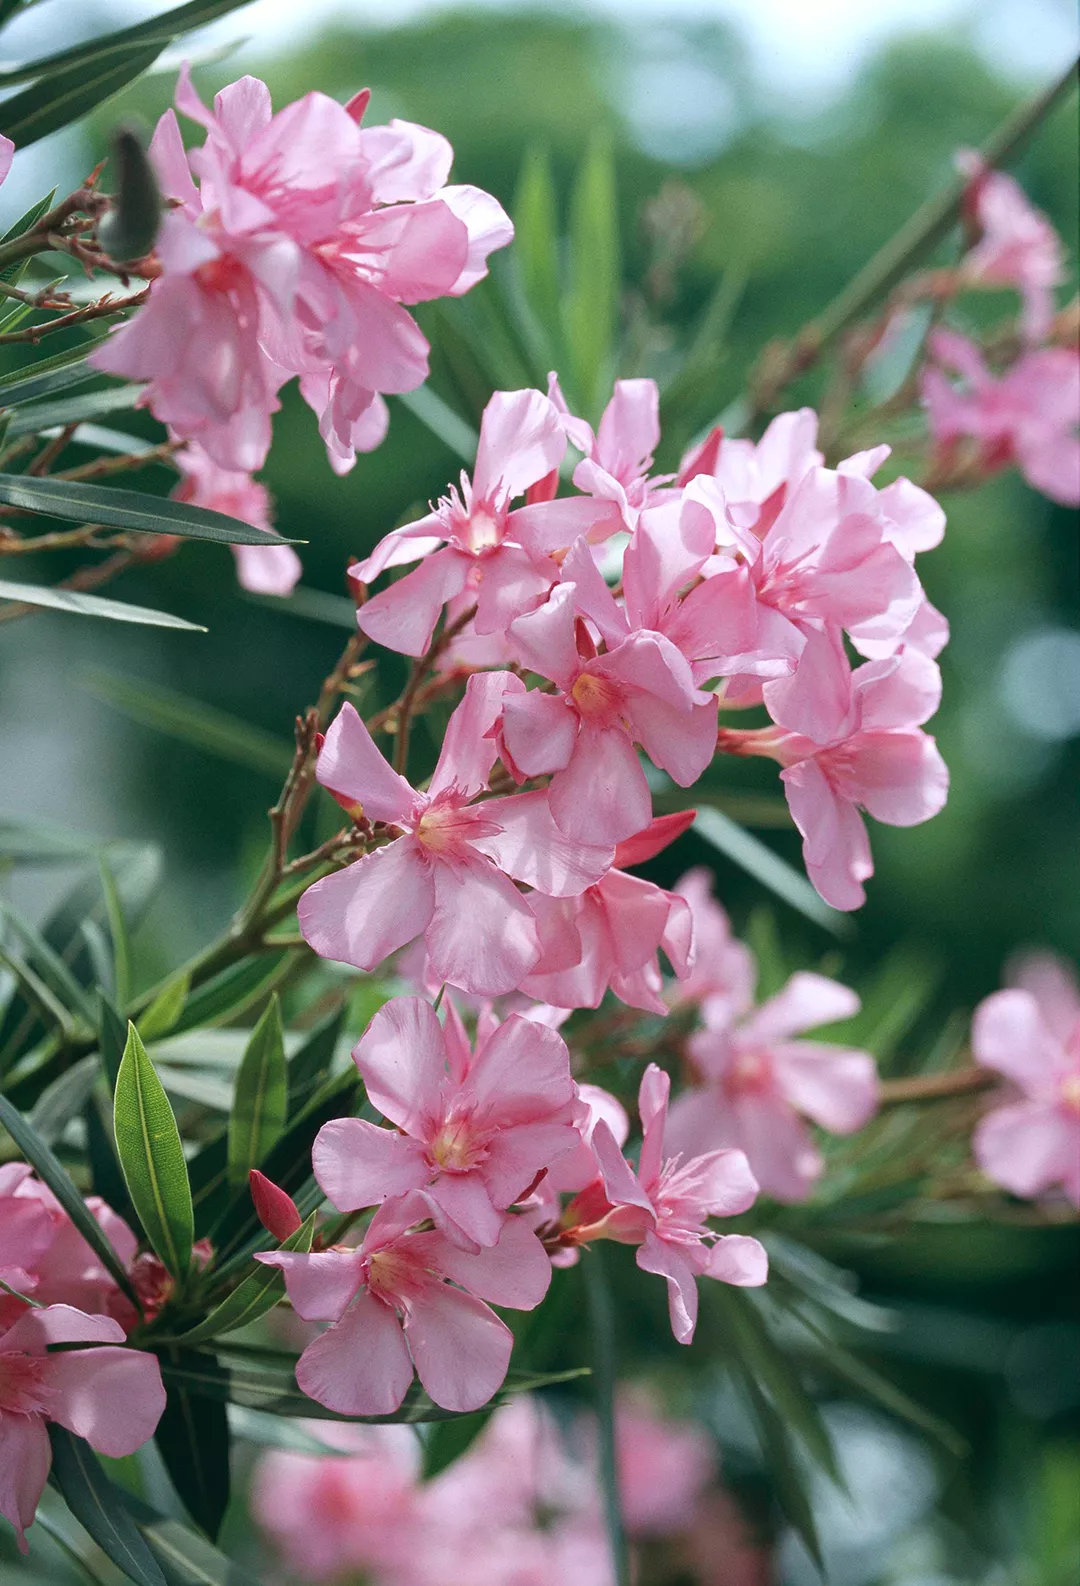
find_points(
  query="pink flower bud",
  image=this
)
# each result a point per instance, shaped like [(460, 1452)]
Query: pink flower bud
[(274, 1208)]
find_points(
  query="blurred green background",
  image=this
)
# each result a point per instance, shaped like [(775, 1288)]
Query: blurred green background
[(777, 207)]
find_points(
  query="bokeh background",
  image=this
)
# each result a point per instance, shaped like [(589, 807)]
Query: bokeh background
[(769, 148)]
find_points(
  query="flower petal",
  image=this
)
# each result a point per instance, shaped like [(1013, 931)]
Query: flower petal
[(361, 1365), (461, 1348), (358, 1164), (364, 913)]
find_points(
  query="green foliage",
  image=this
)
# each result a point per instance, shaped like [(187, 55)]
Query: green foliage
[(152, 1157), (82, 605), (261, 1099), (130, 510), (592, 302), (193, 1437), (253, 1296), (98, 1506), (165, 1010), (61, 97)]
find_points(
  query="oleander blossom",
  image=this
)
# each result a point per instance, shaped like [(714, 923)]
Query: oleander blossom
[(1028, 416), (447, 876), (663, 1208), (1030, 1034), (47, 1257), (475, 1128), (261, 569), (111, 1396), (758, 1084), (473, 547), (294, 256), (408, 1300), (1016, 246)]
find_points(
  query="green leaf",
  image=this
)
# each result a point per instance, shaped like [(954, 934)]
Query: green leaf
[(152, 1157), (783, 1468), (57, 373), (855, 1373), (63, 96), (310, 1063), (314, 604), (159, 30), (106, 1178), (63, 1100), (13, 272), (130, 510), (437, 416), (129, 229), (186, 1558), (592, 303), (253, 1296), (759, 861), (261, 1100), (112, 1038), (97, 1505), (38, 416), (190, 721), (194, 1440), (47, 963), (40, 842), (78, 604), (447, 1441), (208, 1171), (536, 240), (49, 1170), (164, 1012), (231, 994), (602, 1328), (118, 933)]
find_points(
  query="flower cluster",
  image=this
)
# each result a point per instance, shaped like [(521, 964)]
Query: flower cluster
[(1028, 415), (521, 1506)]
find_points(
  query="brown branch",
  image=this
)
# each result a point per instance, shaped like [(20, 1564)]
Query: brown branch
[(79, 316), (936, 1087)]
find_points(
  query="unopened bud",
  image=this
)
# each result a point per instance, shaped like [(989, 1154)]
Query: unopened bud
[(130, 228), (274, 1208)]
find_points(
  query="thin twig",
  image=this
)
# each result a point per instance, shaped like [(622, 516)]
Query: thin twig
[(936, 1087)]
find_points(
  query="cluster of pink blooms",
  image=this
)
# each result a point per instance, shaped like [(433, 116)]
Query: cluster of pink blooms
[(1030, 414), (293, 254), (1029, 1142), (521, 1508), (54, 1291)]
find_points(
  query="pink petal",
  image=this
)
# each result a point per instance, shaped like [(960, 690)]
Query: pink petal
[(350, 765), (463, 1209), (360, 1365), (267, 569), (736, 1259), (650, 664), (658, 835), (836, 850), (539, 731), (364, 913), (25, 1458), (461, 1348), (521, 440), (515, 1272), (636, 914), (900, 777), (1030, 1148), (404, 162), (518, 1153), (499, 947), (112, 1397), (544, 639), (546, 526), (806, 1000), (414, 252), (724, 1182), (656, 1255), (602, 797), (837, 1088), (653, 1095), (817, 700), (1010, 1035), (376, 341), (469, 750), (169, 159), (488, 227), (680, 744), (1054, 985), (531, 848), (521, 1075), (779, 1147), (36, 1330), (513, 583), (403, 617), (903, 691), (592, 597), (319, 1284), (402, 1057), (358, 1164), (915, 520), (621, 1184)]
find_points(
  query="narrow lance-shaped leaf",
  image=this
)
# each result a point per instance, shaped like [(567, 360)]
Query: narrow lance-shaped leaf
[(152, 1157), (50, 1171), (130, 510), (593, 302), (82, 605), (62, 370), (194, 1440), (261, 1101), (256, 1294), (164, 1012), (64, 1099), (310, 1063), (536, 241), (98, 1506), (160, 29), (187, 1558), (37, 416), (112, 1038), (62, 97)]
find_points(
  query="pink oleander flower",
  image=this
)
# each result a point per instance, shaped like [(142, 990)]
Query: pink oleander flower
[(1028, 416), (26, 1232), (723, 974), (65, 1270), (826, 560), (474, 1129), (609, 935), (447, 876), (641, 691), (262, 569), (664, 1467), (336, 1514), (294, 256), (758, 474), (617, 458), (759, 1084), (874, 757), (405, 1300), (7, 154), (111, 1396), (491, 554), (1031, 1035), (663, 1207), (1017, 245)]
